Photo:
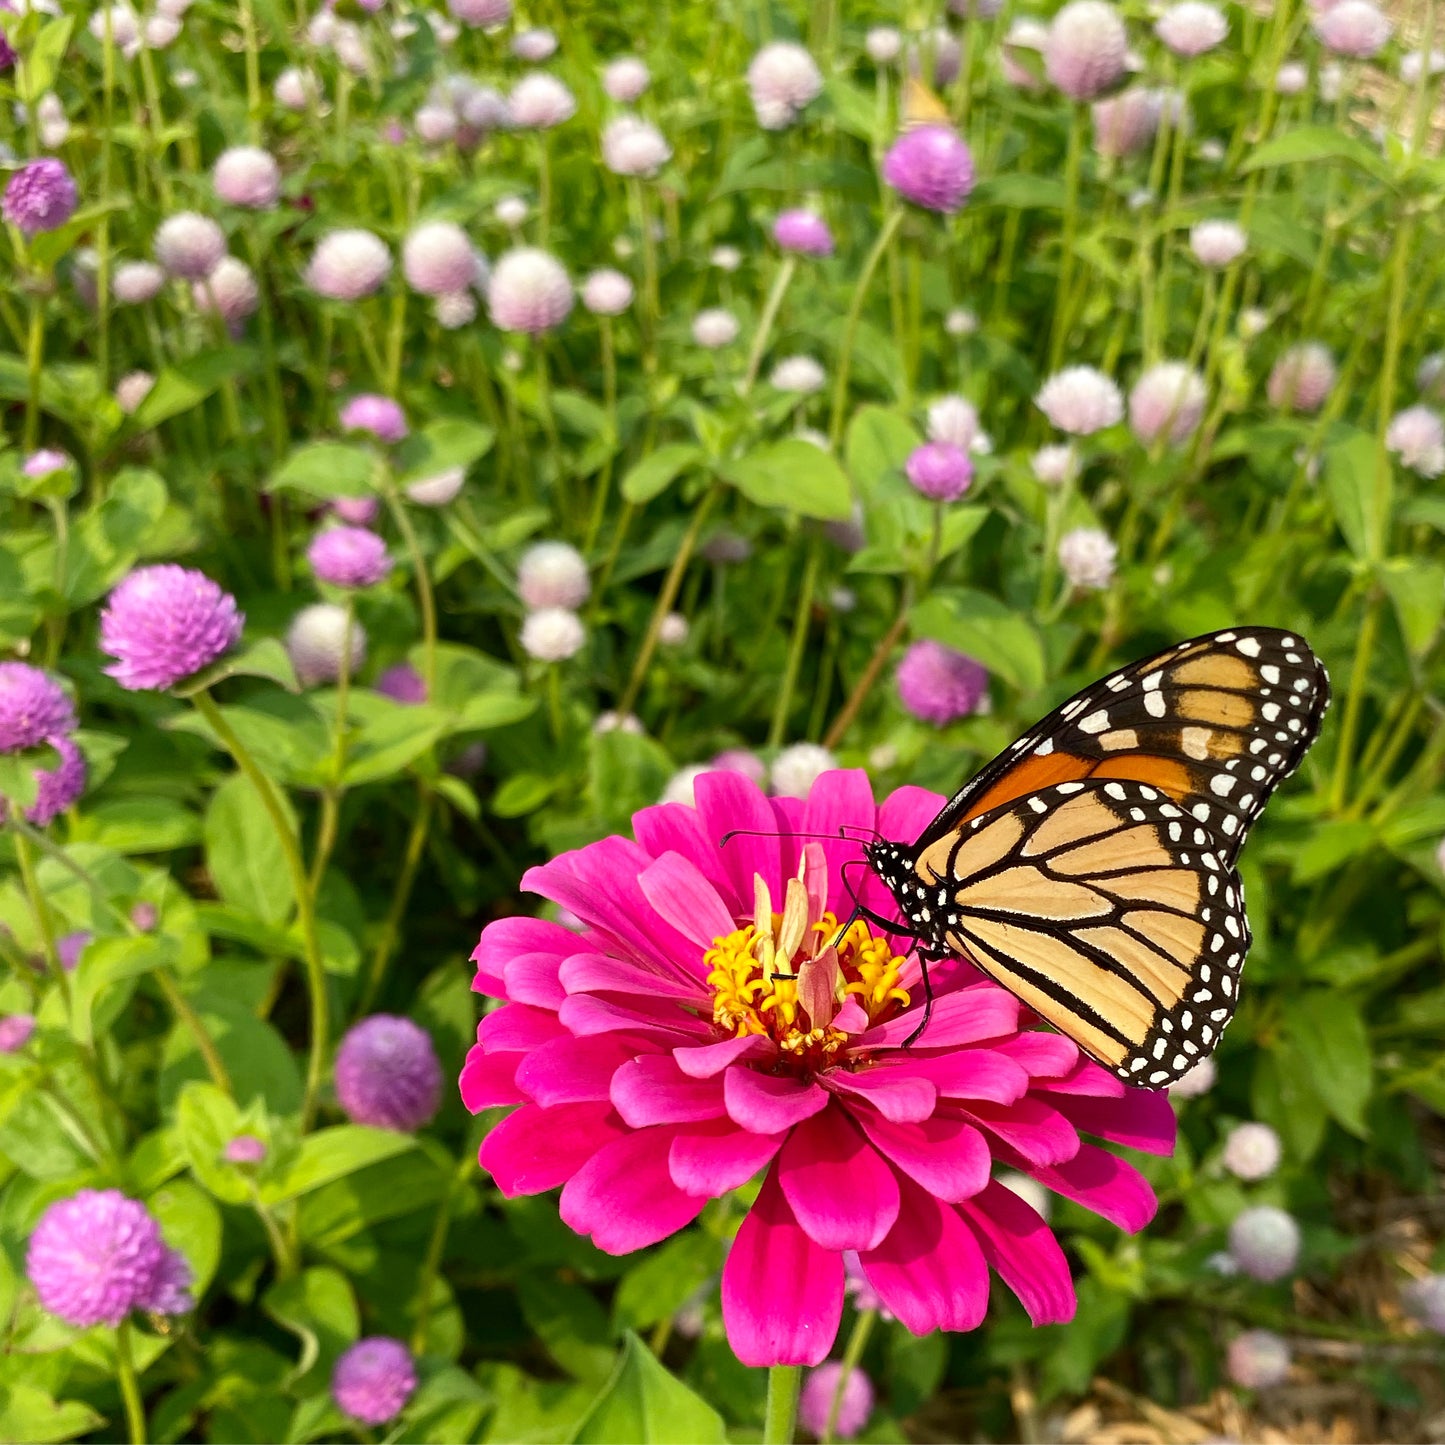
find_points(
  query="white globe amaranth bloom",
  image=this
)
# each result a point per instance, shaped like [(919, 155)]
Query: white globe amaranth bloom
[(1302, 378), (1253, 321), (438, 490), (801, 375), (540, 101), (437, 258), (1354, 28), (296, 89), (1039, 1199), (318, 639), (681, 786), (454, 310), (1086, 557), (529, 291), (1192, 27), (1264, 1242), (883, 44), (1054, 465), (534, 45), (511, 211), (726, 258), (51, 121), (1332, 82), (714, 328), (1291, 78), (673, 630), (626, 79), (797, 768), (960, 321), (632, 146), (435, 124), (1167, 403), (1080, 400), (553, 574), (135, 282), (132, 389), (189, 245), (552, 634), (612, 721), (1430, 376), (230, 291), (125, 28), (1424, 1301), (348, 264), (783, 79), (1252, 1151), (1217, 244), (953, 419), (1413, 65), (607, 292), (247, 176), (1258, 1360), (1417, 436), (1087, 49)]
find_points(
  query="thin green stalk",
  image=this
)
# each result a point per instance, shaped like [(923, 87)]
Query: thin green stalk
[(282, 1249), (850, 325), (135, 1415), (651, 308), (425, 599), (857, 1342), (102, 237), (391, 928), (1073, 162), (609, 402), (270, 798), (253, 70), (41, 909), (436, 1246), (34, 365), (780, 1419), (802, 619), (771, 306), (1354, 702)]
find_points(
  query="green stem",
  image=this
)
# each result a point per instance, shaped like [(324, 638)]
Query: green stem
[(1354, 702), (425, 600), (253, 70), (857, 1342), (431, 1261), (34, 365), (609, 401), (1073, 160), (801, 621), (391, 929), (780, 1420), (270, 798), (135, 1414), (771, 307), (850, 326)]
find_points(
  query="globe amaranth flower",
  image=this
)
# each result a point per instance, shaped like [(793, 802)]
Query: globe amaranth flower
[(1086, 557), (373, 1380), (15, 1032), (387, 1074), (783, 79), (626, 79), (320, 638), (804, 232), (1087, 49), (708, 1026), (245, 1149), (132, 389), (1192, 27), (883, 44), (815, 1401), (939, 470), (1423, 1299), (71, 946), (681, 787), (1355, 28), (437, 490), (797, 768), (230, 291), (932, 166), (348, 557), (164, 623), (1302, 378), (1258, 1360), (1125, 123), (1415, 63), (553, 574), (632, 146), (482, 13), (947, 55), (379, 415), (1217, 243), (552, 634), (1264, 1242), (1417, 436), (95, 1257), (1252, 1151), (402, 683), (1055, 465), (34, 708), (607, 292), (1080, 400), (57, 788), (1196, 1083), (136, 282), (348, 264), (940, 684), (438, 258), (540, 101), (40, 196), (714, 327), (799, 374), (189, 246), (295, 89), (247, 176), (534, 45), (1167, 403), (529, 291), (740, 760), (357, 511)]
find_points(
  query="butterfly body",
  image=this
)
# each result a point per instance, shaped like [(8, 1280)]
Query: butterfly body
[(1090, 868)]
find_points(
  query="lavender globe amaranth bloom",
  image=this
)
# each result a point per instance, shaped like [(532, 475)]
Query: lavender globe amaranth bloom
[(801, 375), (373, 1380), (349, 557), (402, 683), (804, 232), (1080, 400), (783, 79), (1086, 557), (941, 471), (607, 292), (540, 101), (1192, 27), (97, 1256), (939, 684), (626, 79), (1302, 378), (553, 574), (34, 708), (387, 1074), (320, 638), (529, 292), (632, 146), (190, 246), (379, 415), (954, 419), (1417, 436), (348, 264), (57, 788), (295, 89), (1217, 244), (1167, 403), (40, 196), (484, 14), (534, 45), (165, 623), (552, 634), (932, 167), (1353, 28), (1087, 49), (247, 176), (714, 328), (438, 258), (1264, 1242), (815, 1401)]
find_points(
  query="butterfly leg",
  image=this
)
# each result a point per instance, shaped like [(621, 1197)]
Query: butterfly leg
[(925, 956)]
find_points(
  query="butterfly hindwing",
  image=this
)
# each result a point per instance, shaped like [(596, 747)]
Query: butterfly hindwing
[(1103, 906), (1215, 723)]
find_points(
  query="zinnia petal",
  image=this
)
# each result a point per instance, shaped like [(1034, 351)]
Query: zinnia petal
[(624, 1198), (840, 1190), (947, 1156), (508, 937), (533, 1149), (1041, 1134), (573, 1071), (970, 1015), (676, 828), (782, 1295), (728, 801), (489, 1080), (518, 1028), (586, 1014), (597, 973), (897, 1094), (767, 1103), (839, 800), (970, 1074), (718, 1156), (1020, 1246), (1142, 1120), (532, 978), (653, 1090), (1103, 1183), (709, 1059), (680, 892)]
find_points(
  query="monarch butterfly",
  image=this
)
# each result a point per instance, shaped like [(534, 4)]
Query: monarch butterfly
[(1089, 868)]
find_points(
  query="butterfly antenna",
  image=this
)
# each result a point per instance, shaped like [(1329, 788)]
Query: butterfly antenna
[(842, 834)]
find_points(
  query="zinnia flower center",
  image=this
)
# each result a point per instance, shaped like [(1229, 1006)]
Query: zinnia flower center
[(789, 975)]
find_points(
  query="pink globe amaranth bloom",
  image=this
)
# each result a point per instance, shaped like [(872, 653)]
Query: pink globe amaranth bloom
[(348, 557), (1252, 1151), (553, 574), (740, 760), (57, 788), (15, 1032), (45, 462), (931, 166), (534, 45), (402, 683), (529, 292), (438, 258), (1192, 27), (481, 13), (655, 1067), (815, 1401), (1087, 49), (1125, 123), (40, 196), (70, 947), (231, 291), (373, 1380), (940, 470), (1264, 1242), (247, 176), (379, 415), (33, 707), (1302, 378), (540, 101), (1355, 28), (164, 623), (782, 78), (1167, 403), (245, 1149), (136, 282), (357, 511), (632, 146), (803, 231), (190, 246), (387, 1074), (625, 79), (95, 1257), (1080, 400), (348, 264), (939, 684), (1417, 436)]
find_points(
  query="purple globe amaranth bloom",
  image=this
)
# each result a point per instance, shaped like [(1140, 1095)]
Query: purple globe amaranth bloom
[(931, 166), (815, 1402), (938, 684), (40, 196), (70, 946), (402, 683), (15, 1032), (940, 470), (95, 1257), (379, 415), (57, 788), (33, 708), (165, 623), (374, 1379), (803, 231), (387, 1074), (348, 557)]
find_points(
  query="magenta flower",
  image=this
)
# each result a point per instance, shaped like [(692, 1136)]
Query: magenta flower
[(373, 1380), (57, 788), (939, 684), (402, 683), (940, 470), (387, 1074), (931, 166), (40, 196), (33, 707), (165, 623), (691, 1037), (379, 415), (348, 557), (804, 232)]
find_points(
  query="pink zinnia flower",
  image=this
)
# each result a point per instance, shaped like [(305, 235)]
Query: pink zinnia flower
[(690, 1037)]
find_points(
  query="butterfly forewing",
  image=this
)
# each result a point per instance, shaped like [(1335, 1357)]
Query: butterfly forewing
[(1215, 723)]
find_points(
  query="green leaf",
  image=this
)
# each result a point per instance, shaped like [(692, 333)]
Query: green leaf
[(448, 442), (569, 1324), (876, 446), (1330, 845), (983, 627), (326, 470), (267, 658), (657, 471), (43, 57), (331, 1154), (1311, 144), (206, 1121), (183, 386), (138, 825), (1330, 1034), (109, 538), (643, 1403), (625, 773), (108, 961), (243, 854), (494, 710), (1283, 1096), (318, 1306), (191, 1223), (523, 793), (1360, 482), (390, 741), (795, 476), (1417, 589), (662, 1283), (258, 1059), (31, 1416)]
